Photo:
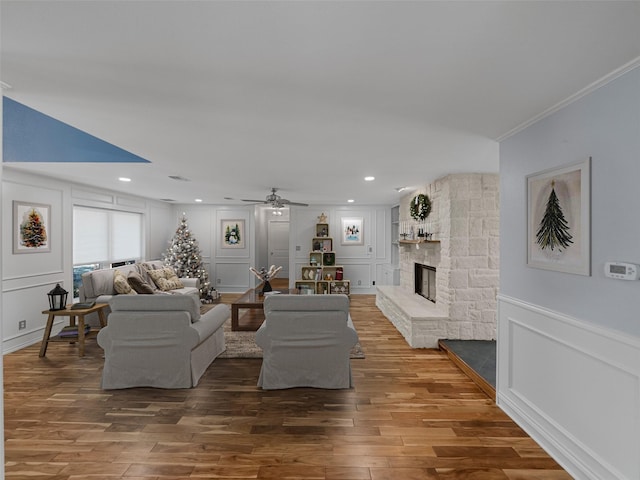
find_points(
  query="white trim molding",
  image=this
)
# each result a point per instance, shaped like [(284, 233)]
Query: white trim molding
[(572, 386), (627, 67)]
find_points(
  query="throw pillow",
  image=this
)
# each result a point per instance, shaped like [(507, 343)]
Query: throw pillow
[(138, 284), (120, 284), (166, 279), (142, 269)]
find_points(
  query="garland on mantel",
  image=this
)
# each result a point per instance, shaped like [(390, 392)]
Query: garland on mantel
[(420, 207)]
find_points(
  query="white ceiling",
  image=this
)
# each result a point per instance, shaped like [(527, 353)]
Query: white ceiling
[(310, 97)]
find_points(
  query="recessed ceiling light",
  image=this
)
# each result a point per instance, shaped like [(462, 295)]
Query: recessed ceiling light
[(369, 179), (198, 200), (351, 200), (124, 179)]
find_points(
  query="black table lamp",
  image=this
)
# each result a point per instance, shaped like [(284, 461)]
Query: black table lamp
[(57, 298)]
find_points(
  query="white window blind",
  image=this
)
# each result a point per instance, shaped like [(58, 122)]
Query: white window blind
[(105, 236), (90, 235), (126, 234)]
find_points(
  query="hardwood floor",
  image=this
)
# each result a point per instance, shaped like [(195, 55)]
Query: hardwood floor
[(412, 415)]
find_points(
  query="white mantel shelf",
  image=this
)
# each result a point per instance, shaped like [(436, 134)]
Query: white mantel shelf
[(413, 242)]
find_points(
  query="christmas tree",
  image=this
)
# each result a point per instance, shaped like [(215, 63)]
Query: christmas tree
[(184, 256), (554, 229), (32, 231)]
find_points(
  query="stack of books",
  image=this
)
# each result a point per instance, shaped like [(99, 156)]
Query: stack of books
[(72, 331), (82, 305)]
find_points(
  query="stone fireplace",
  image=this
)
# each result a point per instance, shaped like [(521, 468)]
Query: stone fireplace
[(465, 255)]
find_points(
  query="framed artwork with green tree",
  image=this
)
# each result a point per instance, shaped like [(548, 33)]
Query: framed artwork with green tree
[(31, 227), (232, 233), (559, 218)]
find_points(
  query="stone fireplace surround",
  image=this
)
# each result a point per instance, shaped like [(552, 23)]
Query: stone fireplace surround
[(465, 219)]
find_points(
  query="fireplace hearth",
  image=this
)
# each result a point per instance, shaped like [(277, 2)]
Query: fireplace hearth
[(425, 281)]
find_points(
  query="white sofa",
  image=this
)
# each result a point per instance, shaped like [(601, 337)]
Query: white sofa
[(160, 341), (97, 285), (306, 342)]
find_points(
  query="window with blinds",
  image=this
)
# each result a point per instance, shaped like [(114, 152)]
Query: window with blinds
[(103, 238)]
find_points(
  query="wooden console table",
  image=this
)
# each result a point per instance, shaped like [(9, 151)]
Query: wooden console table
[(72, 314)]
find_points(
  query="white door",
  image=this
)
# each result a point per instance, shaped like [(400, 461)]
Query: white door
[(279, 246)]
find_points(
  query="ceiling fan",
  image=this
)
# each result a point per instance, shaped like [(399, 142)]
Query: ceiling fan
[(275, 200)]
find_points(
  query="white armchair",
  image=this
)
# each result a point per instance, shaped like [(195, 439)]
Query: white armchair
[(306, 342), (160, 341)]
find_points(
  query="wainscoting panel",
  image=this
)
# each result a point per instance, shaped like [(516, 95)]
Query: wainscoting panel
[(358, 274), (27, 303), (572, 386), (232, 277)]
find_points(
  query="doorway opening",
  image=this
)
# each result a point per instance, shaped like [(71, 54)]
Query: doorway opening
[(278, 243)]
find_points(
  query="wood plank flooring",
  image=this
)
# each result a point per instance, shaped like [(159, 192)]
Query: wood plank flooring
[(412, 415)]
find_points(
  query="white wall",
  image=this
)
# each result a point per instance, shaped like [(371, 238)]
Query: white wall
[(569, 345)]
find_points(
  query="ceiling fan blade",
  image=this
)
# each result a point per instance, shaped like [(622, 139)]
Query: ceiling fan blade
[(288, 202), (253, 201)]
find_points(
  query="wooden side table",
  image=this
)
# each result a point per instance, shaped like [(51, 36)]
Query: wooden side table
[(72, 314)]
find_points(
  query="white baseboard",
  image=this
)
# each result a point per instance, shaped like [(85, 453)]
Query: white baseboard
[(573, 386), (18, 342)]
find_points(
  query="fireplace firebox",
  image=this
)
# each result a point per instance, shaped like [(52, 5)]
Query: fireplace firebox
[(425, 281)]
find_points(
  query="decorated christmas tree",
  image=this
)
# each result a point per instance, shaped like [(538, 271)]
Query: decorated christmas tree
[(184, 256), (553, 231), (32, 231)]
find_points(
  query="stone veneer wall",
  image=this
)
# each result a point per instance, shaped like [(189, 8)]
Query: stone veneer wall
[(465, 218)]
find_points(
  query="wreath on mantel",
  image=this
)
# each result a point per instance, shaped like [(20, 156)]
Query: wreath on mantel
[(420, 207)]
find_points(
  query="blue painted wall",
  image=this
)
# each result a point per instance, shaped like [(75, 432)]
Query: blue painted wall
[(31, 136)]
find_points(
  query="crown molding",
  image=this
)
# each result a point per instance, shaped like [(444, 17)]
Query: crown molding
[(627, 67)]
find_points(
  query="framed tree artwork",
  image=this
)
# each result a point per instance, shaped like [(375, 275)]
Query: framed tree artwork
[(232, 233), (31, 227), (558, 219), (352, 231)]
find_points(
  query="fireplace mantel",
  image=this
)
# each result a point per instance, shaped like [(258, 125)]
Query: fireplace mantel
[(414, 242)]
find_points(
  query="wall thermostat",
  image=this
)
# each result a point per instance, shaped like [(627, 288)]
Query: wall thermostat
[(622, 270)]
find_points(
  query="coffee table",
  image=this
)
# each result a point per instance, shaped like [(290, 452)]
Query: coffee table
[(253, 301)]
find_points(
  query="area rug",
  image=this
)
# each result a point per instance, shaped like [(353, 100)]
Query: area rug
[(243, 345)]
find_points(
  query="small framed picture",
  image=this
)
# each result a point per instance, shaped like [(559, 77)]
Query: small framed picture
[(31, 227), (232, 233), (352, 231), (558, 223)]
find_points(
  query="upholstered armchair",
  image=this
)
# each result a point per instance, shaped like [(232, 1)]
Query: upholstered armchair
[(306, 342), (160, 341)]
